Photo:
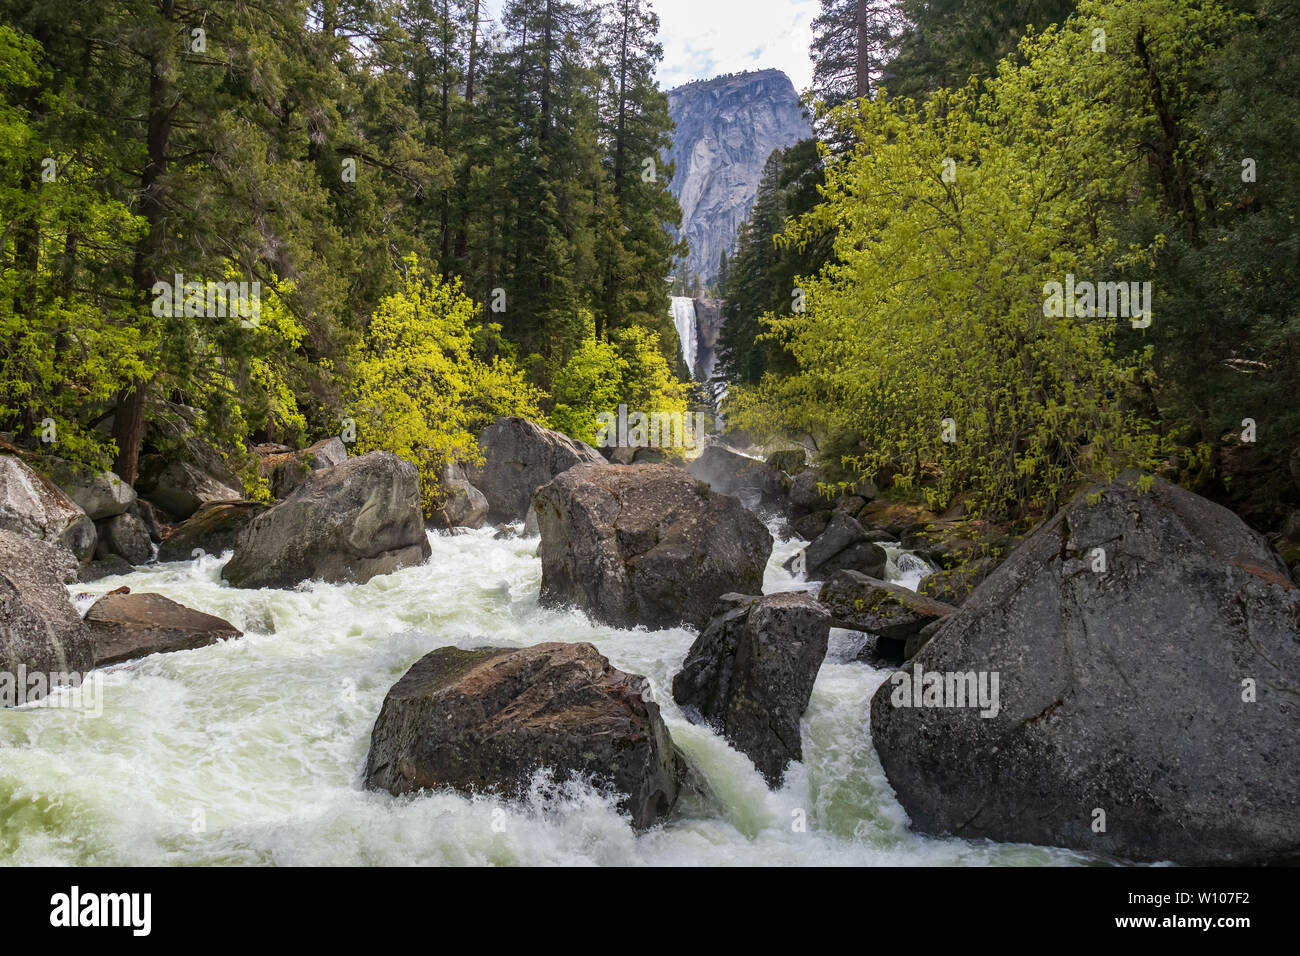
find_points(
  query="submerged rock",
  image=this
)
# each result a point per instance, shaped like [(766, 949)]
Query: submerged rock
[(348, 523), (645, 545), (518, 458), (751, 672), (485, 720), (35, 507), (127, 626), (40, 629), (1146, 648)]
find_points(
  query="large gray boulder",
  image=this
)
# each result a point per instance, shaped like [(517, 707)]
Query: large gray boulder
[(804, 496), (213, 529), (727, 472), (518, 458), (487, 719), (1147, 653), (348, 523), (41, 632), (180, 488), (127, 626), (750, 674), (645, 545), (100, 494), (859, 602), (35, 507), (286, 470), (465, 506), (126, 536), (843, 545)]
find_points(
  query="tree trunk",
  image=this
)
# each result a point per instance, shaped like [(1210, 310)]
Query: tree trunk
[(864, 51), (128, 422)]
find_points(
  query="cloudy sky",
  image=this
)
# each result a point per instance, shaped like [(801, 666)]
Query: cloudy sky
[(703, 38)]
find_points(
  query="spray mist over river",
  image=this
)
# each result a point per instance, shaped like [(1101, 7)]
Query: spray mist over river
[(252, 751)]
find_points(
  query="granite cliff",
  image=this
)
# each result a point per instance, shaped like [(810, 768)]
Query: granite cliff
[(726, 129)]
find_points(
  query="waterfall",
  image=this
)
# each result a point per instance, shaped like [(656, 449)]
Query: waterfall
[(687, 329)]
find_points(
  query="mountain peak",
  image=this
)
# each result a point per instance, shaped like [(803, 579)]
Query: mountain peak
[(727, 127)]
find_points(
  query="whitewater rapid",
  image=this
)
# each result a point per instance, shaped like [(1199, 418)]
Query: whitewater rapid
[(251, 751)]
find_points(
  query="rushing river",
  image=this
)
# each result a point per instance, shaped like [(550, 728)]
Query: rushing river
[(251, 751)]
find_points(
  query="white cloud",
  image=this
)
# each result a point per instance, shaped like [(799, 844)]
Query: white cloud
[(702, 38)]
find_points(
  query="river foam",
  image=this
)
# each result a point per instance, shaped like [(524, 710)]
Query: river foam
[(251, 751)]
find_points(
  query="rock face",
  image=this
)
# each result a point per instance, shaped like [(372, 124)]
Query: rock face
[(518, 458), (344, 524), (286, 470), (751, 672), (102, 495), (731, 473), (40, 631), (843, 545), (35, 507), (861, 603), (645, 545), (726, 129), (127, 626), (179, 488), (466, 506), (124, 535), (487, 719), (1124, 687), (708, 329), (213, 529)]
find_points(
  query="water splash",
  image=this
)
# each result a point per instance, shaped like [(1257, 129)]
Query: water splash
[(252, 751)]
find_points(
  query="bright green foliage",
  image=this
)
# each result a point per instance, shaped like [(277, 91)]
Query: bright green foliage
[(418, 390), (627, 369), (761, 278), (925, 354), (66, 342), (310, 147)]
